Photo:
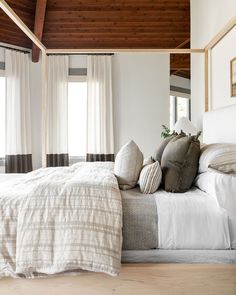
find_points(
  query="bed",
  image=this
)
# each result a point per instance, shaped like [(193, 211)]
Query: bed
[(47, 221), (151, 250)]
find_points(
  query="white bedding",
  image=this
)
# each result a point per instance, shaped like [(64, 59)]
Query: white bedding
[(223, 188), (6, 177), (61, 219), (192, 220)]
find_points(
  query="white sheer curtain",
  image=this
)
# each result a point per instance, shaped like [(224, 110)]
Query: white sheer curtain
[(18, 122), (56, 107), (100, 142)]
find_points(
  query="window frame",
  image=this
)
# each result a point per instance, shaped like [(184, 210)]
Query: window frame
[(175, 111), (76, 79)]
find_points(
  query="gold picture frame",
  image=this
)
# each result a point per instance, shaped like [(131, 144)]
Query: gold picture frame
[(233, 77)]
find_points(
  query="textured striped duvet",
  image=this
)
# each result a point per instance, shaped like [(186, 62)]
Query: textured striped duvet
[(61, 219)]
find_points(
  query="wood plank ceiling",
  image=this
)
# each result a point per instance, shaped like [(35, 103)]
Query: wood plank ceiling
[(106, 24), (9, 31)]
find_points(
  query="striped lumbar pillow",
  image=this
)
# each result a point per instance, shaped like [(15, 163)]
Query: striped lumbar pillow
[(150, 178)]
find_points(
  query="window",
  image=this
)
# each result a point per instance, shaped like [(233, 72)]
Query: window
[(179, 107), (2, 116), (77, 117)]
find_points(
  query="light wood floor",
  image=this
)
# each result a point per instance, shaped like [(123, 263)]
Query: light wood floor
[(135, 279)]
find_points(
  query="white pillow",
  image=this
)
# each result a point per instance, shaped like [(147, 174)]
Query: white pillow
[(128, 164), (150, 178), (218, 156)]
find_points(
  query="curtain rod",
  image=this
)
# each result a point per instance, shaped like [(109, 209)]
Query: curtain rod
[(80, 53), (15, 49)]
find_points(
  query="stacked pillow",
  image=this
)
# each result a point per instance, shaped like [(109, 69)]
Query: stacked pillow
[(159, 151), (157, 155), (218, 156), (174, 163), (130, 169)]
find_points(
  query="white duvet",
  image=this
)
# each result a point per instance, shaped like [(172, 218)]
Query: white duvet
[(223, 188), (191, 220), (61, 219)]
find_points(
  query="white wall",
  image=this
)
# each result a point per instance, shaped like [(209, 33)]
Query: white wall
[(221, 56), (78, 61), (207, 19), (141, 98)]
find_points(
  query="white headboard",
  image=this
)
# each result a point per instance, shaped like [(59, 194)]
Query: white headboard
[(219, 126)]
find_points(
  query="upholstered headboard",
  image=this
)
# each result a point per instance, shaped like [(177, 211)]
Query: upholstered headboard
[(219, 126)]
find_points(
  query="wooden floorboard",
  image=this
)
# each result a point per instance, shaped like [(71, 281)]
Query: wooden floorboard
[(145, 279)]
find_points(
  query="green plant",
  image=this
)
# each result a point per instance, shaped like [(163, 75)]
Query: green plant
[(165, 132)]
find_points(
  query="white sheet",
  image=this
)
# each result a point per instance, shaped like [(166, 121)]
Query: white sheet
[(223, 188), (192, 220)]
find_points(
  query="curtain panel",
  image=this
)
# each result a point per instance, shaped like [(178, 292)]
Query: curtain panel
[(18, 121), (56, 109), (100, 141)]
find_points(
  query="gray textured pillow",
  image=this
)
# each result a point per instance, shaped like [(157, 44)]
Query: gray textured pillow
[(150, 178), (128, 164), (179, 163), (159, 151)]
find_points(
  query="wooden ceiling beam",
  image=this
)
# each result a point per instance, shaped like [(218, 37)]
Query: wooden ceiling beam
[(113, 50), (65, 4), (184, 43), (38, 26), (16, 19)]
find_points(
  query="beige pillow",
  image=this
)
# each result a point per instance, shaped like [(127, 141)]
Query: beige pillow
[(128, 164), (150, 178)]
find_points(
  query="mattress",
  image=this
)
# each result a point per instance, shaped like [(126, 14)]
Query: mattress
[(191, 220)]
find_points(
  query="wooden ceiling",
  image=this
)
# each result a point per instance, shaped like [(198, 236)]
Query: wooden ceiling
[(9, 31), (104, 24)]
